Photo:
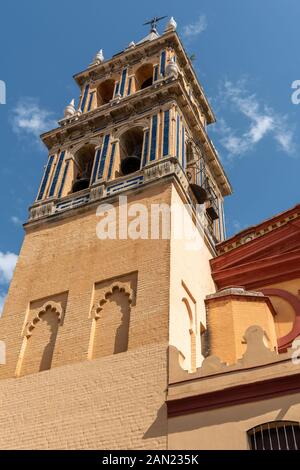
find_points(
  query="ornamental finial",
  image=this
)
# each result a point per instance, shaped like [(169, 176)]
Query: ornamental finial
[(171, 25), (70, 109), (99, 58)]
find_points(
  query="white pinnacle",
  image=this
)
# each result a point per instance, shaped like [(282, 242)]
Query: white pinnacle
[(70, 109), (171, 25), (99, 57)]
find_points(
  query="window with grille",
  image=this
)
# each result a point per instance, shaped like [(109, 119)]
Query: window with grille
[(276, 435)]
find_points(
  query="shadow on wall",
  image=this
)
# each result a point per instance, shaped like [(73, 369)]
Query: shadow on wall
[(40, 346), (159, 427), (235, 414)]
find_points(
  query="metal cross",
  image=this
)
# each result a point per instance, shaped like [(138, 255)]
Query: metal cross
[(154, 22)]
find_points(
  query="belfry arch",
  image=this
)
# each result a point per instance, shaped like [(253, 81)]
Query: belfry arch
[(131, 147), (83, 160), (144, 76)]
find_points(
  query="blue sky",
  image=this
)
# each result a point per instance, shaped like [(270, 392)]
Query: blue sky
[(246, 59)]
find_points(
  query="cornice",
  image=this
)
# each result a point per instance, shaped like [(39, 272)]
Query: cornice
[(268, 259), (262, 229), (240, 394)]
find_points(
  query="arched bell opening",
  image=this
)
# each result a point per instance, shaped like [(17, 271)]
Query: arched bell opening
[(105, 92), (84, 160), (144, 76), (131, 145), (199, 193)]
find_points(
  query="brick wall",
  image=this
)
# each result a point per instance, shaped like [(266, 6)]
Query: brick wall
[(63, 261), (116, 402)]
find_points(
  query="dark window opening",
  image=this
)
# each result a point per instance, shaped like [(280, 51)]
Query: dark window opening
[(105, 92), (144, 76), (131, 145), (84, 160), (146, 83)]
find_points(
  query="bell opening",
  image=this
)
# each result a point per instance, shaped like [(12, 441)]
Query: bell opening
[(130, 164), (212, 212), (131, 145), (199, 193), (144, 76), (105, 92), (84, 160)]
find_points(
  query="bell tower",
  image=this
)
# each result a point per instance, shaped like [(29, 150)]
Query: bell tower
[(88, 319)]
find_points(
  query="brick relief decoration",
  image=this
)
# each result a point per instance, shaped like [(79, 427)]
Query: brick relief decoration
[(40, 330), (110, 316)]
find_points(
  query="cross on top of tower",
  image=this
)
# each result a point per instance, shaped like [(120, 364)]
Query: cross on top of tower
[(154, 22)]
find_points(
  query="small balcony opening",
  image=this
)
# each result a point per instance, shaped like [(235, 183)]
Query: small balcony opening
[(84, 160), (144, 76), (131, 145), (105, 92)]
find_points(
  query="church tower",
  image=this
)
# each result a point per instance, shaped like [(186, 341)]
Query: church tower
[(89, 318)]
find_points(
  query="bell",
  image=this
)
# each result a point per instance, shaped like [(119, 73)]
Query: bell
[(199, 193), (212, 212), (80, 184), (130, 164)]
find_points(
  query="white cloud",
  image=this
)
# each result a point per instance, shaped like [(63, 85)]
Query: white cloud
[(30, 119), (262, 121), (7, 265), (16, 220), (2, 300), (237, 225), (194, 29)]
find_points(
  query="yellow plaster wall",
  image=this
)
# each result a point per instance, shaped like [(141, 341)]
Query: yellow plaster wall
[(190, 279), (226, 428)]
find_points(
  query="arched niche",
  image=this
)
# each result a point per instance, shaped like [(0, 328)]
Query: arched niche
[(110, 328), (144, 76), (105, 92), (40, 339)]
